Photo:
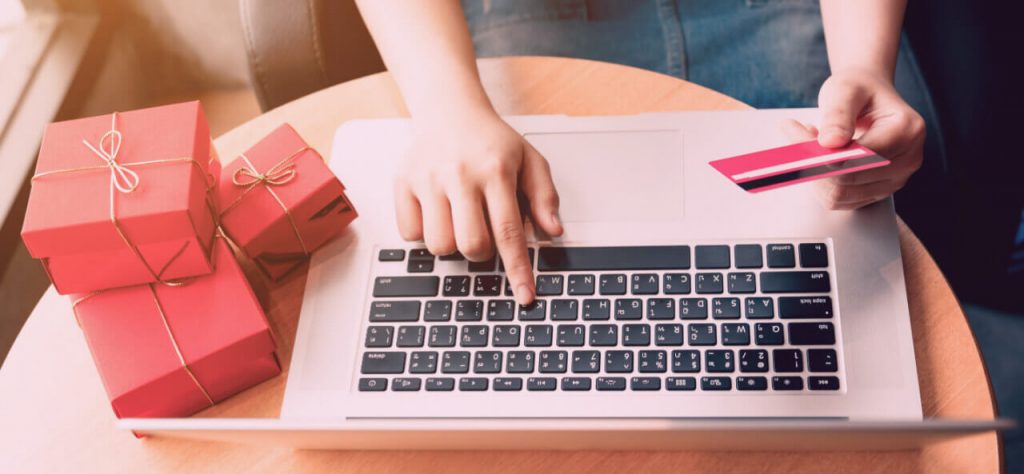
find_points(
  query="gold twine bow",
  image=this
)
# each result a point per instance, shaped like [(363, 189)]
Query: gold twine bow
[(170, 334), (281, 173), (125, 180)]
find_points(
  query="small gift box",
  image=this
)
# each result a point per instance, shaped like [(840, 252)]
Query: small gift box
[(169, 351), (123, 199), (280, 202)]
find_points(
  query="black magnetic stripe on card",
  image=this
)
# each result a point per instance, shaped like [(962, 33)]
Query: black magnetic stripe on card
[(807, 172)]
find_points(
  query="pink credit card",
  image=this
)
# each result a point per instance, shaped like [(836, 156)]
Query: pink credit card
[(791, 164)]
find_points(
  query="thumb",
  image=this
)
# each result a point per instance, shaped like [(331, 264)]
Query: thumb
[(540, 191), (841, 103), (797, 131)]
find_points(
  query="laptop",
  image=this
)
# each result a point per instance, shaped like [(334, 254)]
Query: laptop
[(677, 310)]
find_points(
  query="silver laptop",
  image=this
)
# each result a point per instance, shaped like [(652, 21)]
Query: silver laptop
[(675, 305)]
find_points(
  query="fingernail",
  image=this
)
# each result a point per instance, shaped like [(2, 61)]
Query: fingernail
[(524, 294), (555, 220)]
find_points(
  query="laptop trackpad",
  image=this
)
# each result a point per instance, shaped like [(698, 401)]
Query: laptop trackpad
[(616, 176)]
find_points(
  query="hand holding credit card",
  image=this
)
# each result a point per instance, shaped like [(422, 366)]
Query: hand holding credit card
[(791, 164)]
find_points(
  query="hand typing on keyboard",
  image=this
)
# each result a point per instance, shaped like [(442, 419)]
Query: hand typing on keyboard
[(457, 190)]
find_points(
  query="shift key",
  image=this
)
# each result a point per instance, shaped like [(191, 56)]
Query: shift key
[(405, 286), (795, 282), (383, 362)]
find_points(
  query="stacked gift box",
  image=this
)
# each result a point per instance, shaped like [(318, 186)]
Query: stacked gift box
[(131, 214)]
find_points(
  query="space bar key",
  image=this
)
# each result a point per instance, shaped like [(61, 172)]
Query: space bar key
[(664, 257)]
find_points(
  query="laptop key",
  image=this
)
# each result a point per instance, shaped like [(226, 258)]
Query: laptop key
[(581, 284), (535, 311), (586, 362), (602, 335), (549, 285), (812, 334), (636, 335), (473, 336), (685, 361), (645, 384), (702, 334), (667, 335), (567, 259), (680, 383), (538, 335), (725, 308), (822, 360), (553, 362), (394, 311), (693, 308), (748, 256), (405, 384), (629, 309), (411, 336), (596, 310), (455, 362), (391, 255), (440, 384), (813, 255), (508, 384), (520, 362), (469, 310), (505, 335), (753, 360), (652, 361), (795, 282), (709, 283), (751, 383), (383, 362), (787, 383), (452, 257), (541, 384), (611, 383), (373, 384), (822, 383), (719, 361), (661, 308), (676, 284), (405, 286), (715, 384), (614, 284), (455, 285), (501, 310), (379, 336), (805, 307), (487, 285), (437, 310), (618, 362), (420, 266), (473, 384), (484, 266), (571, 335), (769, 334), (644, 284), (442, 336), (575, 384), (564, 310), (487, 362), (423, 363), (742, 282), (781, 256), (759, 307), (787, 360), (712, 256), (735, 334)]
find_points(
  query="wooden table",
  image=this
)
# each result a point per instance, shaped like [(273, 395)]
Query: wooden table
[(55, 416)]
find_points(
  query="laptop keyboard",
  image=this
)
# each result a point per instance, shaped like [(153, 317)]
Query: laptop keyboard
[(743, 317)]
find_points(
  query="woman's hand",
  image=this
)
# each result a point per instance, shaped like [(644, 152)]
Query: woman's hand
[(457, 190), (861, 105)]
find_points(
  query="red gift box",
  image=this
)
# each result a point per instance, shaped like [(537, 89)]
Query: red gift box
[(123, 199), (280, 202), (168, 351)]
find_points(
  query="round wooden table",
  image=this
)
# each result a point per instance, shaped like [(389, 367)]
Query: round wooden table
[(55, 416)]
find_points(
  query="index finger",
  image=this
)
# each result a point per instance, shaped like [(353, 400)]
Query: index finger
[(510, 239)]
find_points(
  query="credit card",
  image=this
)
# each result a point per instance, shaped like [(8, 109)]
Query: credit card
[(791, 164)]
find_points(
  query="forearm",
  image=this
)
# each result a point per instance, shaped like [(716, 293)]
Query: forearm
[(863, 34), (427, 48)]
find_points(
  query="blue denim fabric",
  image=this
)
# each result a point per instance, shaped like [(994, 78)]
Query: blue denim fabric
[(767, 53)]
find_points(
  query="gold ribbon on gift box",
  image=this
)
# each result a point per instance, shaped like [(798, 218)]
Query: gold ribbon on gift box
[(281, 173), (124, 180)]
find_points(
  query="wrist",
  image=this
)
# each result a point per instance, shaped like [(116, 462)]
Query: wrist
[(865, 70)]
